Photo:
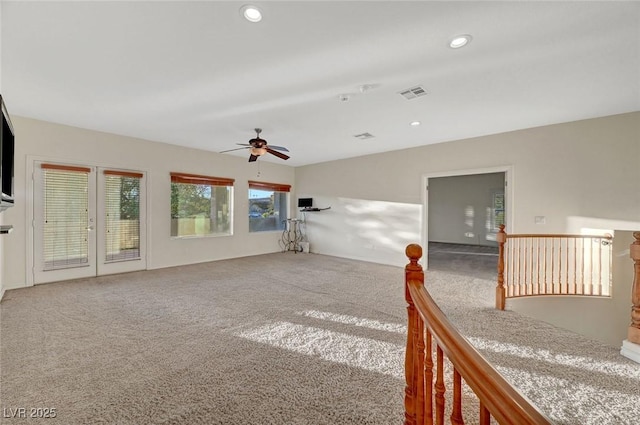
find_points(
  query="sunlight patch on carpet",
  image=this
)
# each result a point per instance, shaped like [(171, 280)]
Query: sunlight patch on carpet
[(364, 353), (610, 368), (598, 405), (355, 321)]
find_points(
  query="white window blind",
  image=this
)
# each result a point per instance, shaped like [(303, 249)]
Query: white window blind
[(66, 216), (122, 215)]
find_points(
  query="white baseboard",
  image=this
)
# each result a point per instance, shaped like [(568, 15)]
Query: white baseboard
[(2, 294), (630, 350)]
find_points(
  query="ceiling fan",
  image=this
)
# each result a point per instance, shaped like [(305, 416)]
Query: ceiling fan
[(258, 147)]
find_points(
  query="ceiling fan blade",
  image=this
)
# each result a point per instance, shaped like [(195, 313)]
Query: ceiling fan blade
[(252, 158), (243, 144), (236, 149), (276, 153), (279, 148)]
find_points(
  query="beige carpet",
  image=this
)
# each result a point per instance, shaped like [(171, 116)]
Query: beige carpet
[(273, 339)]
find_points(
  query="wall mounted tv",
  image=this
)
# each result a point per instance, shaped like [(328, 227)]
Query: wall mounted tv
[(305, 202), (7, 146)]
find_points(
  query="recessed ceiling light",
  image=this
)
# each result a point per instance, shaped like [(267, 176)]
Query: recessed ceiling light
[(415, 123), (251, 13), (460, 41)]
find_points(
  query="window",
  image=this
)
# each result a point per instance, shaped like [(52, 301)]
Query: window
[(268, 206), (498, 209), (200, 205)]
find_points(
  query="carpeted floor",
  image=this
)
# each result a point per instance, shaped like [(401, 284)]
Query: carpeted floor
[(274, 339), (473, 260)]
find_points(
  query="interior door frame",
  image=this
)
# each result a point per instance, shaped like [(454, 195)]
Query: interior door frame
[(30, 205), (509, 181)]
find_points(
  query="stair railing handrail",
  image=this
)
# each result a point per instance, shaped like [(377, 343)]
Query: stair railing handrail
[(633, 334), (555, 235), (575, 268), (427, 322)]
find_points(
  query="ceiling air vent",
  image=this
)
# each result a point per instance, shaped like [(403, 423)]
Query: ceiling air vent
[(364, 136), (413, 92)]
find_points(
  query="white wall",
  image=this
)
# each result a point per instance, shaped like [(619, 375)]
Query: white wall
[(362, 229), (586, 169), (54, 142)]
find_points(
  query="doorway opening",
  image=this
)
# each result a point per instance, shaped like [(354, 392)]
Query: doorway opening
[(462, 214)]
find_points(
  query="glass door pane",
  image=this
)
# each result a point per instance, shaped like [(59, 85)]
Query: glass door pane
[(64, 222), (121, 220)]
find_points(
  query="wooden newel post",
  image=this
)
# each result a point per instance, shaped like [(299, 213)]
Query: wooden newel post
[(501, 238), (413, 271), (634, 327)]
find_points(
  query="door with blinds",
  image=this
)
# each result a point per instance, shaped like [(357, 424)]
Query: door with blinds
[(121, 234), (87, 221)]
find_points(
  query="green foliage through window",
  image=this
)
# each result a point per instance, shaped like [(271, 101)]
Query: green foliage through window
[(200, 209), (188, 200), (129, 198)]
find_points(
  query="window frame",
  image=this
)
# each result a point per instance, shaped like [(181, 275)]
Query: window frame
[(202, 180), (273, 187)]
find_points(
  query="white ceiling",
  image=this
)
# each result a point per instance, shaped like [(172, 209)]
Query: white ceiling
[(197, 74)]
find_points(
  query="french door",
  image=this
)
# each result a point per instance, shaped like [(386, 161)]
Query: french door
[(88, 221)]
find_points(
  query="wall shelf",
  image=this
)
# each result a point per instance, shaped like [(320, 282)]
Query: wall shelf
[(314, 209)]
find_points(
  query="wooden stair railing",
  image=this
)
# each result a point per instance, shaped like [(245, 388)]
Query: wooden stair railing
[(544, 264), (633, 334), (428, 330)]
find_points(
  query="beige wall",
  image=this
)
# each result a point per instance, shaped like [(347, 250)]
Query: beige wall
[(585, 169), (53, 142)]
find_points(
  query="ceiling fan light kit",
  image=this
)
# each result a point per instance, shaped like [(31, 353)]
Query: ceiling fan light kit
[(258, 147), (258, 151)]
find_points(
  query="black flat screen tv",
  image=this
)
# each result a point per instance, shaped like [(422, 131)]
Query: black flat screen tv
[(7, 147), (305, 202)]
